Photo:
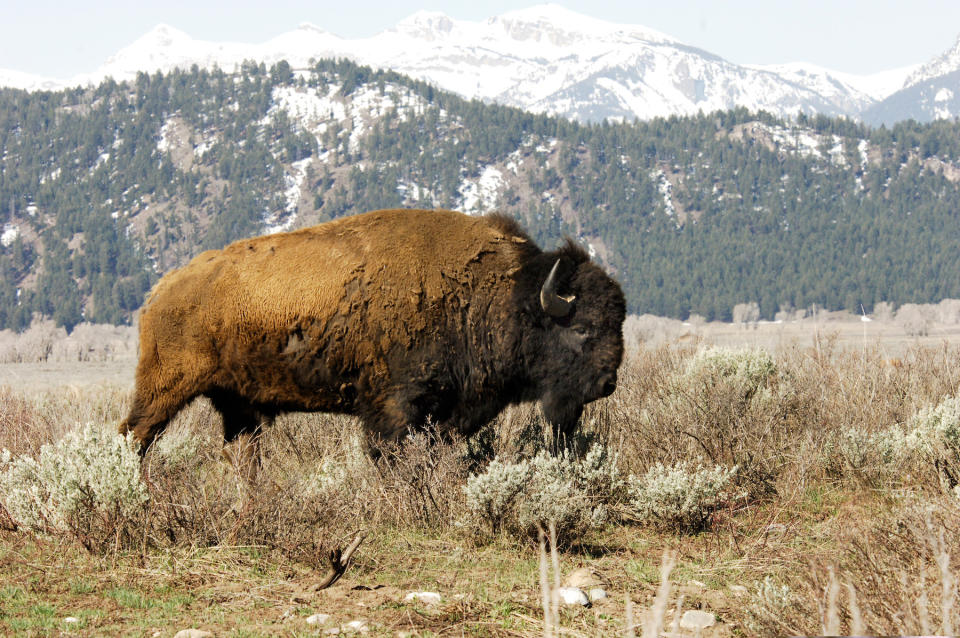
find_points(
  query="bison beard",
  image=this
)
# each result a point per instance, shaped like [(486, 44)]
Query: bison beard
[(395, 316)]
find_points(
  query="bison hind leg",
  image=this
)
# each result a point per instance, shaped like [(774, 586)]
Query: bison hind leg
[(242, 426)]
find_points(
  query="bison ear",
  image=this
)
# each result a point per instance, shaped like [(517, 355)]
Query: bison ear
[(552, 303)]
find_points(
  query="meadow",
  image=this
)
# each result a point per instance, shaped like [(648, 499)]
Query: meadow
[(786, 478)]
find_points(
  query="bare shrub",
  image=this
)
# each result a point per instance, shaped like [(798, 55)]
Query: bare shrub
[(901, 565), (651, 330), (915, 319), (948, 312), (519, 431), (31, 346), (22, 430), (746, 313), (29, 421), (732, 407), (788, 313), (883, 311), (43, 341), (424, 476), (96, 342)]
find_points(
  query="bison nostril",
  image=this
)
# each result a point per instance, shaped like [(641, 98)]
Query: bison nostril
[(608, 385)]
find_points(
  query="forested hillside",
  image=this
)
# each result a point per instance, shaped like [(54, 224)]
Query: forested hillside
[(104, 189)]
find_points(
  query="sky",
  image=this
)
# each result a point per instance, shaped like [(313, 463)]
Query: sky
[(59, 39)]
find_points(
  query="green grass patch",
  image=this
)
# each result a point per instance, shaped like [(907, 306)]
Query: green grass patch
[(130, 598)]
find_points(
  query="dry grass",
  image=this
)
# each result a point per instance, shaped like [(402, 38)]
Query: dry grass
[(820, 544)]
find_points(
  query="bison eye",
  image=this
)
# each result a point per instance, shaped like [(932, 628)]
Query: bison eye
[(574, 337)]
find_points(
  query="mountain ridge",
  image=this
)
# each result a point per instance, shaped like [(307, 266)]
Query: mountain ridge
[(543, 58)]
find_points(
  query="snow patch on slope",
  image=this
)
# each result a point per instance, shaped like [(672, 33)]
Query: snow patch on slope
[(480, 195), (9, 235), (164, 143), (665, 188), (293, 188), (413, 194)]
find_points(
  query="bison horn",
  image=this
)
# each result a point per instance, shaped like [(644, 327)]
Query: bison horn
[(553, 304)]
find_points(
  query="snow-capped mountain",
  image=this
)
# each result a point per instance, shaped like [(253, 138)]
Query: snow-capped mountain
[(930, 92), (930, 99), (947, 62), (545, 59)]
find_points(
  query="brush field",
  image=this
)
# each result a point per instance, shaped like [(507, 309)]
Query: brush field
[(842, 515)]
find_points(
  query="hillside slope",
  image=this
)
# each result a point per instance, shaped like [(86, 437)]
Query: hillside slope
[(104, 189)]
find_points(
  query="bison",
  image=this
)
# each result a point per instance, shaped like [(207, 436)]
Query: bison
[(395, 316)]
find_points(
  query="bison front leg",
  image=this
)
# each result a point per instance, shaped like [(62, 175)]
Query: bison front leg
[(242, 426), (243, 455), (148, 417)]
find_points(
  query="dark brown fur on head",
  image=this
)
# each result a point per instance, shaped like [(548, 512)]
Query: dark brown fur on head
[(395, 316)]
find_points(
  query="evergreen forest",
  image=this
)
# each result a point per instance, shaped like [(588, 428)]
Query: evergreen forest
[(103, 189)]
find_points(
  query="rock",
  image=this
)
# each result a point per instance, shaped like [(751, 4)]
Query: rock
[(697, 583), (583, 578), (426, 597), (71, 619), (192, 633), (696, 620), (318, 619), (573, 596), (739, 590), (352, 627), (596, 594)]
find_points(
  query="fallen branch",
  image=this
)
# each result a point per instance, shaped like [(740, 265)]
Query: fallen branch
[(339, 563)]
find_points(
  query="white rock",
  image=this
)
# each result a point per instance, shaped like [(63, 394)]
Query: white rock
[(357, 625), (352, 627), (696, 620), (193, 633), (573, 596), (71, 619), (426, 597), (697, 583), (318, 619), (597, 594), (739, 590)]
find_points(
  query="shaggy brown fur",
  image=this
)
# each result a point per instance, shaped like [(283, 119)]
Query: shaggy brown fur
[(396, 316)]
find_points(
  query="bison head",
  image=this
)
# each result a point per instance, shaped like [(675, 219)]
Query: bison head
[(580, 312)]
